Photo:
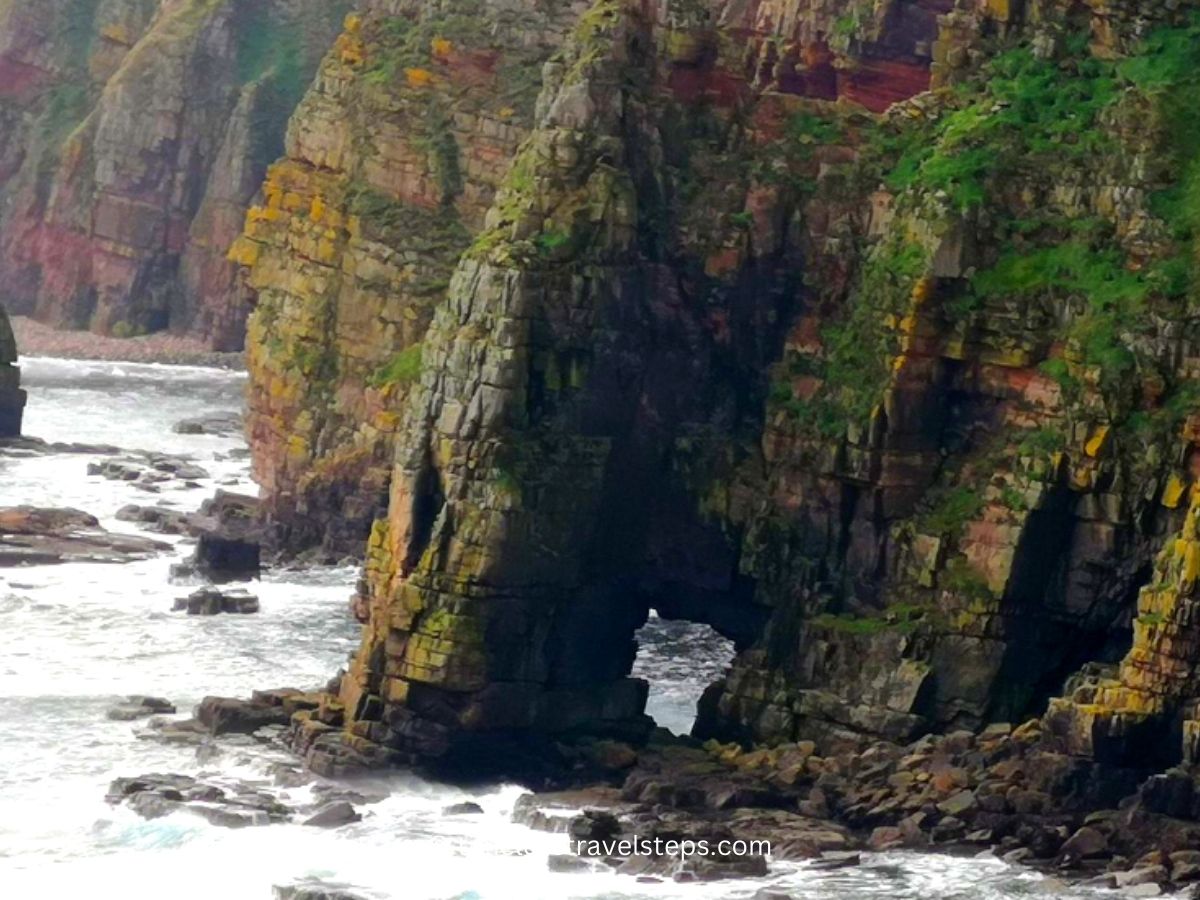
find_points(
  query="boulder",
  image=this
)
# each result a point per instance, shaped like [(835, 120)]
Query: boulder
[(226, 715), (1086, 843), (334, 815)]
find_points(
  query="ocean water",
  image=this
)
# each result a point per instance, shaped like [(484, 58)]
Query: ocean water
[(76, 638)]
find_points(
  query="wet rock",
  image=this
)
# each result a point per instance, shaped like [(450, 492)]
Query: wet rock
[(594, 825), (334, 815), (45, 536), (718, 868), (567, 862), (791, 836), (837, 860), (171, 731), (1135, 877), (221, 423), (139, 707), (155, 518), (316, 890), (289, 775), (462, 809), (227, 715), (326, 792), (1143, 890), (149, 470), (154, 804), (211, 602), (555, 812), (290, 700), (25, 446), (1019, 855), (169, 784), (237, 806), (229, 817)]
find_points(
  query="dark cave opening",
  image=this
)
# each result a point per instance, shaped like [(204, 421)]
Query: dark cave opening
[(1065, 611)]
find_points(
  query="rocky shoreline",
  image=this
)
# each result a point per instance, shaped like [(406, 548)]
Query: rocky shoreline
[(35, 339), (1005, 792)]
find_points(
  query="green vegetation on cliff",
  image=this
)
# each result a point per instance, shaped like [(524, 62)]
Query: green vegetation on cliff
[(855, 365), (402, 369), (1023, 111)]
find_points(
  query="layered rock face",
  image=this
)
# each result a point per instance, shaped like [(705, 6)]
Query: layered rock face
[(139, 131), (416, 116), (1000, 490), (393, 160), (12, 398), (894, 386), (602, 340)]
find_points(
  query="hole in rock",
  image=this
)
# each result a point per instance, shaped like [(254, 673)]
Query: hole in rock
[(680, 660)]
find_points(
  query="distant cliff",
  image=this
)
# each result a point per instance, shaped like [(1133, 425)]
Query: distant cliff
[(133, 134)]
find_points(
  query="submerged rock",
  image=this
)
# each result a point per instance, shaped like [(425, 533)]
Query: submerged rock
[(462, 809), (317, 890), (149, 470), (172, 731), (139, 707), (211, 602), (362, 795), (236, 805), (155, 518), (221, 423)]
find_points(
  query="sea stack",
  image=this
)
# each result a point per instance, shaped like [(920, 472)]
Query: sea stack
[(12, 398)]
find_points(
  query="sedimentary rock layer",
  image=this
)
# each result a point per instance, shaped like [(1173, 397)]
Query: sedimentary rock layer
[(860, 334), (392, 161)]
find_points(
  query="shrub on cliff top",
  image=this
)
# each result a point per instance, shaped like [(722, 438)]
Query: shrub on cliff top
[(1022, 109)]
